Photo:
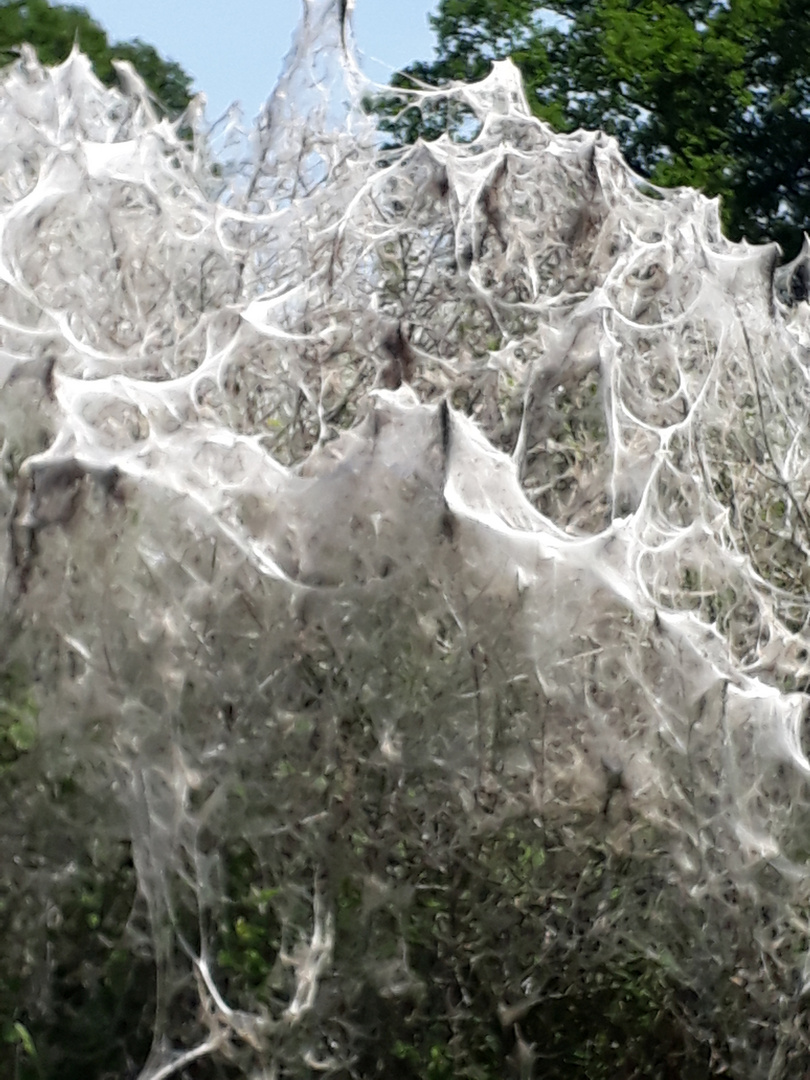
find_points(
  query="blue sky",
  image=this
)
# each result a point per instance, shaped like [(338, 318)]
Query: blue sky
[(234, 48)]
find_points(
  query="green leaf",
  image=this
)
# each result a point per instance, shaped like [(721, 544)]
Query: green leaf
[(22, 1035)]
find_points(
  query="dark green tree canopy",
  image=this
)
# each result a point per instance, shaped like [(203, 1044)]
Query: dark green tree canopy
[(53, 29), (711, 94)]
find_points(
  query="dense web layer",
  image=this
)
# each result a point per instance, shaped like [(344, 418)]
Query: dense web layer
[(393, 526)]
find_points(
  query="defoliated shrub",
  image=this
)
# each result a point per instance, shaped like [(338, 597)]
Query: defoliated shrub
[(404, 567)]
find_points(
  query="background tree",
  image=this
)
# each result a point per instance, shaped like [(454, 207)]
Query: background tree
[(53, 29), (714, 95)]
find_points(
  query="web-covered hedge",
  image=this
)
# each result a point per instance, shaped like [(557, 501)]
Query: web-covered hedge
[(404, 625)]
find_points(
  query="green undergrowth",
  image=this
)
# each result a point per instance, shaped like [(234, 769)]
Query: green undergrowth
[(78, 1003)]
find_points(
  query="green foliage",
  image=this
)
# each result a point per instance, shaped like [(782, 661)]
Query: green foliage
[(706, 94), (54, 29), (593, 1007), (248, 932), (581, 1015), (93, 1018), (18, 717)]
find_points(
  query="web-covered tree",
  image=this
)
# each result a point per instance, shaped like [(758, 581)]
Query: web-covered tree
[(440, 729), (706, 94), (53, 30)]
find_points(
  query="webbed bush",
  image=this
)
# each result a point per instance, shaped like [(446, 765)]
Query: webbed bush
[(405, 599)]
